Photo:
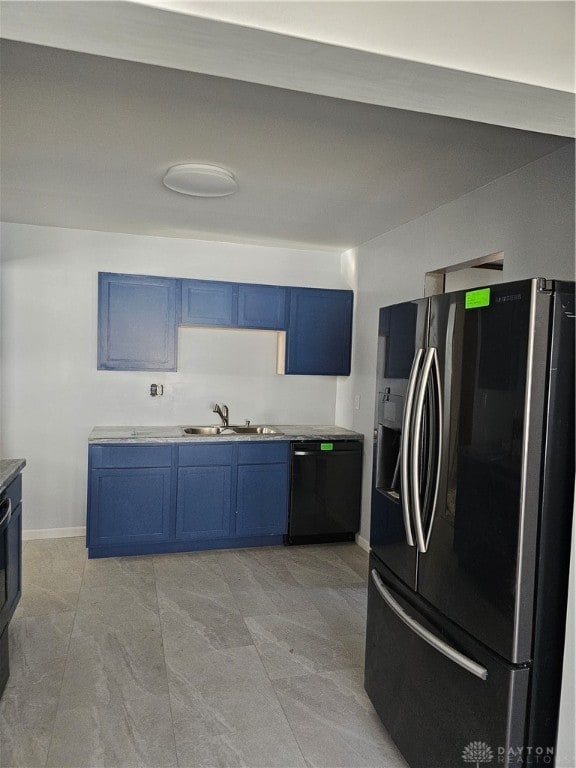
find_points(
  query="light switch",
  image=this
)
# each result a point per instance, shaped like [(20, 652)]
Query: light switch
[(357, 402)]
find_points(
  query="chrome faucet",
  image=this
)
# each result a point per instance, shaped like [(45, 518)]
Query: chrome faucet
[(222, 411)]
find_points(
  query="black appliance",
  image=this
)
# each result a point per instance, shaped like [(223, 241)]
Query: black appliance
[(472, 497), (5, 515), (10, 566), (326, 485)]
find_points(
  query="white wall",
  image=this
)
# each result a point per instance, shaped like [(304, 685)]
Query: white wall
[(464, 279), (53, 394), (529, 215)]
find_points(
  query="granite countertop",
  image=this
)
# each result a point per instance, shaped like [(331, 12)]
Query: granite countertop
[(176, 434), (9, 469)]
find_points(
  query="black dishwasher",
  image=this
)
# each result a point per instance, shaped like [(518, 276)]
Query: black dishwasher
[(326, 486)]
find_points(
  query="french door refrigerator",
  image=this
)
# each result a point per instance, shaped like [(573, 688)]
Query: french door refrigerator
[(471, 519)]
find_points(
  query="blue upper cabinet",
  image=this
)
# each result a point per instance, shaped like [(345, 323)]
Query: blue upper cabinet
[(319, 338), (262, 306), (138, 319), (137, 323), (233, 305), (209, 302)]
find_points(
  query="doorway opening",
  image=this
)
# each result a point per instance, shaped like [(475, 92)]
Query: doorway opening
[(486, 270)]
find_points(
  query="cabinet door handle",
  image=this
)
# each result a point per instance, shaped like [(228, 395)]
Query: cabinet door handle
[(5, 504)]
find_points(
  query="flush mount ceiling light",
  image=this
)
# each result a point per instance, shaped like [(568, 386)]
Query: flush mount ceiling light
[(200, 180)]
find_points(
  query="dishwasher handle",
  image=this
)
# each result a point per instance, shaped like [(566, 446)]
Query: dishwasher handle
[(326, 453)]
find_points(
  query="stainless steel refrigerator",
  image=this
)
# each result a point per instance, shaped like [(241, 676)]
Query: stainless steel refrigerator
[(472, 499)]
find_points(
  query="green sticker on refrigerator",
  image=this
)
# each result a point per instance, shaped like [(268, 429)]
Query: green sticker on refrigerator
[(326, 446), (477, 299)]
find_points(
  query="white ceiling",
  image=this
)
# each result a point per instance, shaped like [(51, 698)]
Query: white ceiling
[(525, 41), (140, 31), (86, 139)]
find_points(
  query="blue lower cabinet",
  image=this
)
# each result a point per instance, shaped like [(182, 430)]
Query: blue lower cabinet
[(204, 503), (129, 506), (262, 500), (203, 495)]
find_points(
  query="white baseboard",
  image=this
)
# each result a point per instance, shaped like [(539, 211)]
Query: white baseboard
[(362, 543), (53, 533)]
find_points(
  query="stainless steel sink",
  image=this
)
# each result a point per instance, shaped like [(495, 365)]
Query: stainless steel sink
[(232, 430)]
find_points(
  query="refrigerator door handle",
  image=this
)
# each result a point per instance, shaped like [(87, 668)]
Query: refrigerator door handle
[(415, 463), (440, 645), (440, 418), (405, 445)]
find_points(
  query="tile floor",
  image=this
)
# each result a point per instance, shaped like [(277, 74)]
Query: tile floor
[(231, 658)]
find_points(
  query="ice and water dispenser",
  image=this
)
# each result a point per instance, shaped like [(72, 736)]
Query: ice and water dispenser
[(397, 333)]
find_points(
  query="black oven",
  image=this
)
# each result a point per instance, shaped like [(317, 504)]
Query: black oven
[(5, 515)]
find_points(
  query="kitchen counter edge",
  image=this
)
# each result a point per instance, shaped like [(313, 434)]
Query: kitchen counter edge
[(9, 469), (174, 435)]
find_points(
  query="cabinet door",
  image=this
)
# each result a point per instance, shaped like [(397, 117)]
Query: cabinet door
[(319, 332), (129, 506), (136, 323), (14, 552), (209, 302), (204, 503), (261, 306), (262, 501)]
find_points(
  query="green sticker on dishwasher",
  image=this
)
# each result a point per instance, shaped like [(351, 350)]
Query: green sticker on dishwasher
[(326, 446), (477, 299)]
